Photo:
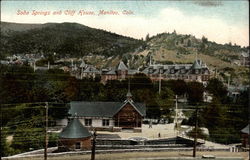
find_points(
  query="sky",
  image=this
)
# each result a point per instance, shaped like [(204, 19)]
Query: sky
[(222, 21)]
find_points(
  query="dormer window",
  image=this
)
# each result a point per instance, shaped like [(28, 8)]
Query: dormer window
[(150, 70), (172, 71), (196, 71), (160, 70), (183, 70)]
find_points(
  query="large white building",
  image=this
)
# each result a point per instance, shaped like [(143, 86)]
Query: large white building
[(198, 71)]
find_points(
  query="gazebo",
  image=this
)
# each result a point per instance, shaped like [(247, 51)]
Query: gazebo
[(74, 137)]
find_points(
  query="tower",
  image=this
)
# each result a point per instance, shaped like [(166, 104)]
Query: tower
[(129, 95)]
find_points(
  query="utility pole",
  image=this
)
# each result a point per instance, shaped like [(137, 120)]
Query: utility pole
[(215, 72), (46, 130), (93, 146), (176, 109), (34, 66), (160, 82), (81, 72), (48, 65), (195, 136), (150, 61), (196, 57), (228, 82)]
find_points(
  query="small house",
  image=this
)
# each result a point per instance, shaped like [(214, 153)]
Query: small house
[(74, 137)]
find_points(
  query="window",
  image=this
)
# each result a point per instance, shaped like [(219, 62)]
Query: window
[(105, 122), (172, 71), (196, 71), (161, 70), (88, 122), (150, 70), (78, 145), (183, 71)]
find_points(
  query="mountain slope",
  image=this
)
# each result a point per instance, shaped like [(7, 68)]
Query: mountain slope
[(70, 39), (106, 49), (10, 27), (176, 48)]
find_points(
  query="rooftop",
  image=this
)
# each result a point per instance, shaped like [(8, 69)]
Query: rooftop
[(122, 66), (75, 129), (101, 109)]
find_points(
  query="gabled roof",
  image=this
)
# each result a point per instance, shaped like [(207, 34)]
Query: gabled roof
[(74, 129), (197, 64), (245, 54), (145, 71), (111, 72), (101, 109), (138, 108), (83, 64), (91, 69), (121, 66), (132, 71), (246, 129)]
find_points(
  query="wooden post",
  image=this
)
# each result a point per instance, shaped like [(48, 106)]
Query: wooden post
[(34, 66), (176, 110), (195, 137), (137, 120), (160, 82), (118, 123), (46, 130), (93, 146)]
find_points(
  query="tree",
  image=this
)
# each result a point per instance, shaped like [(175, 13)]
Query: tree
[(147, 37), (179, 87), (116, 90), (3, 148), (71, 89), (165, 101), (189, 43), (195, 92), (16, 83), (214, 114), (217, 89), (192, 119), (27, 127), (182, 40), (140, 80), (204, 39), (202, 47), (200, 133)]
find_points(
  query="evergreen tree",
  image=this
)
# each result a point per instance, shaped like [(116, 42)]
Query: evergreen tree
[(189, 43), (195, 92), (147, 37), (217, 89)]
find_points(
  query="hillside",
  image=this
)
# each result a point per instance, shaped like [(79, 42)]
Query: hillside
[(10, 27), (169, 48), (178, 48), (106, 49), (69, 39)]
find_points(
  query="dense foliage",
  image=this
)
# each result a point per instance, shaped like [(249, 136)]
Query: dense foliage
[(66, 39), (25, 91)]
